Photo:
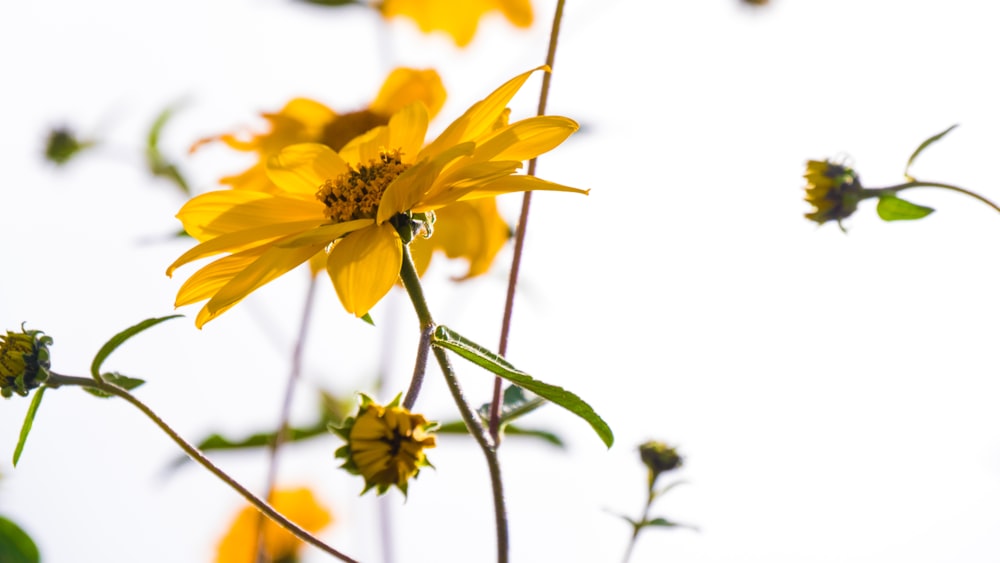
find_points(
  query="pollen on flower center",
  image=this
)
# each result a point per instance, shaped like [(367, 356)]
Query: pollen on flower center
[(357, 193)]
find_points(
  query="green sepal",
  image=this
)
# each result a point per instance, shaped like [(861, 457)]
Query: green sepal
[(117, 340), (157, 162), (123, 381), (458, 427), (450, 340), (930, 141), (892, 208), (29, 420), (368, 319), (16, 546)]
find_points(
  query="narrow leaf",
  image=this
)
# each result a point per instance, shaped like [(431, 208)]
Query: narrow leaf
[(450, 340), (256, 440), (123, 381), (29, 420), (661, 522), (930, 141), (458, 427), (159, 165), (118, 339), (892, 208), (16, 546)]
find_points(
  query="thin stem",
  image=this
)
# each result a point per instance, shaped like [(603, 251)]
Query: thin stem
[(420, 367), (286, 408), (915, 184), (411, 281), (636, 528), (56, 380), (522, 227)]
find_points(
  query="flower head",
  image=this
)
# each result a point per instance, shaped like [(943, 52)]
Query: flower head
[(659, 458), (385, 444), (24, 361), (307, 121), (833, 190), (362, 204), (457, 19), (299, 505), (63, 144)]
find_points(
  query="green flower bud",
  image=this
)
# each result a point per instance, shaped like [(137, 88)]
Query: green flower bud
[(659, 458), (24, 361), (63, 144)]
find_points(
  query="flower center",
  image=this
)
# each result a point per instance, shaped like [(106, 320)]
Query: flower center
[(356, 193)]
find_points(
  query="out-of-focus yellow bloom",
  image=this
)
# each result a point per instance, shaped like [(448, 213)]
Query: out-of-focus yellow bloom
[(457, 19), (832, 189), (468, 229), (298, 505), (385, 444), (356, 203), (307, 121), (24, 361)]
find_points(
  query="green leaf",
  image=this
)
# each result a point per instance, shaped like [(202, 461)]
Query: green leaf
[(29, 420), (118, 339), (16, 546), (661, 522), (450, 340), (458, 427), (667, 488), (515, 405), (930, 141), (257, 440), (158, 164), (123, 381), (892, 208)]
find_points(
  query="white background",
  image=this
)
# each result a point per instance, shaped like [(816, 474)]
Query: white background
[(834, 395)]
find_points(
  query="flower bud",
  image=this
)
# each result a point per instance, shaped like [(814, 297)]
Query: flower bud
[(659, 458), (24, 361)]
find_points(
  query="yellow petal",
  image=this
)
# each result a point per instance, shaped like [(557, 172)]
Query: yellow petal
[(325, 234), (204, 283), (472, 230), (366, 147), (241, 240), (525, 139), (407, 129), (518, 183), (480, 118), (518, 12), (462, 179), (273, 263), (303, 168), (404, 86), (364, 266), (225, 211)]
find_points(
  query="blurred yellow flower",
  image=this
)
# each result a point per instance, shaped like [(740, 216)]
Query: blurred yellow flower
[(457, 19), (385, 445), (298, 505), (832, 189), (354, 204), (306, 121)]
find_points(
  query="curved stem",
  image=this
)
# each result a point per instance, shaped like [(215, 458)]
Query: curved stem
[(636, 528), (522, 227), (56, 380), (286, 408), (411, 281), (898, 188), (420, 367)]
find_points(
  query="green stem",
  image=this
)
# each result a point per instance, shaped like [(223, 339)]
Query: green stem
[(411, 281), (56, 380), (522, 228), (877, 192), (636, 528)]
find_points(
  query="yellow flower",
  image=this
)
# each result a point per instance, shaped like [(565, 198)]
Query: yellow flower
[(298, 505), (24, 361), (305, 121), (457, 19), (832, 189), (354, 204), (385, 445)]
